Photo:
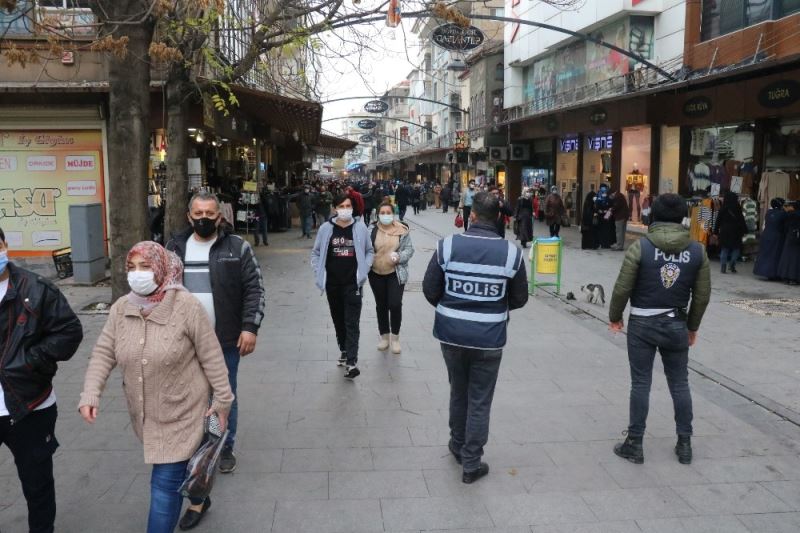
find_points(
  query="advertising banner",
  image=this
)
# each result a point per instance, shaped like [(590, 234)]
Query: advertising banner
[(41, 174)]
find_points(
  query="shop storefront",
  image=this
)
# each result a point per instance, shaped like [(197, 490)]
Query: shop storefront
[(636, 179)]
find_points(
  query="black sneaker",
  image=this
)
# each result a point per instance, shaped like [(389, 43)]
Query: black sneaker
[(352, 372), (227, 461), (342, 359), (683, 449), (192, 518), (631, 449), (472, 477)]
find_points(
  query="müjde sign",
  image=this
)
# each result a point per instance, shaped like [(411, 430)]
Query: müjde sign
[(454, 37), (367, 124), (376, 106)]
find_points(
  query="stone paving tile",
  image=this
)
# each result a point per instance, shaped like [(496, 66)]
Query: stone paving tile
[(447, 483), (599, 527), (695, 524), (328, 516), (771, 523), (326, 459), (377, 484), (651, 474), (731, 498), (533, 509), (743, 469), (787, 491), (632, 504), (412, 458), (434, 513)]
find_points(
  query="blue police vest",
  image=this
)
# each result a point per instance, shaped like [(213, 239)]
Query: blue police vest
[(473, 311), (665, 280)]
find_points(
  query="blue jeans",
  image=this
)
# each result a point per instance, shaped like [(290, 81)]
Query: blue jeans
[(473, 375), (729, 256), (670, 336), (232, 358), (165, 500), (305, 224)]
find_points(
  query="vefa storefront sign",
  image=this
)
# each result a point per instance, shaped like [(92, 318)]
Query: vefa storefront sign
[(569, 144), (457, 38), (367, 124), (778, 94), (598, 116), (376, 106), (699, 106)]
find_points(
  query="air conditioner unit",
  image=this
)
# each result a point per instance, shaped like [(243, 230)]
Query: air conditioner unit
[(498, 153), (520, 152)]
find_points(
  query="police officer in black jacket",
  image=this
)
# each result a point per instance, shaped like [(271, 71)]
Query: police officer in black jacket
[(474, 280), (37, 330)]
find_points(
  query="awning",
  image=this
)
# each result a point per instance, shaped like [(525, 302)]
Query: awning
[(288, 115), (331, 146)]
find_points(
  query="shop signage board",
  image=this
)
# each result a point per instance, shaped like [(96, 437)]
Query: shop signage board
[(367, 124), (42, 173), (551, 123), (366, 139), (696, 107), (598, 116), (595, 143), (462, 140), (779, 94), (457, 38), (376, 106)]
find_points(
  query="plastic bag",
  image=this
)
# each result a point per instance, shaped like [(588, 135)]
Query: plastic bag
[(202, 467), (459, 221)]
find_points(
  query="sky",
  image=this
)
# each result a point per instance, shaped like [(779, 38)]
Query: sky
[(381, 67)]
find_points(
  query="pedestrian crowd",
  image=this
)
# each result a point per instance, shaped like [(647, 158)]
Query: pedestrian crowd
[(195, 307)]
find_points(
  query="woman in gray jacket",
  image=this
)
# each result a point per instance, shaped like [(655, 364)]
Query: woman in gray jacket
[(341, 259), (393, 249)]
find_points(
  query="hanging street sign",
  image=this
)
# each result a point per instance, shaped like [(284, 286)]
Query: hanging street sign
[(367, 124), (366, 138), (454, 37), (376, 106)]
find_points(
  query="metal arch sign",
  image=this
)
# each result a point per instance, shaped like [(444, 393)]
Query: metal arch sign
[(366, 139), (457, 38), (367, 124), (376, 106)]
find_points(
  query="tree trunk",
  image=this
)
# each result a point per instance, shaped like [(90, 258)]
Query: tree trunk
[(177, 151), (128, 150)]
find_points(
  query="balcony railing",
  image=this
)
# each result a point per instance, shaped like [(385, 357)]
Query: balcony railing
[(30, 21)]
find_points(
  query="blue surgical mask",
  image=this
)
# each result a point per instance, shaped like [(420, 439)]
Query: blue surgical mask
[(386, 219), (3, 262)]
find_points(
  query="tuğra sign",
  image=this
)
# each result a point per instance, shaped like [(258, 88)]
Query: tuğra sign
[(699, 106), (454, 37), (367, 124), (781, 93), (376, 106)]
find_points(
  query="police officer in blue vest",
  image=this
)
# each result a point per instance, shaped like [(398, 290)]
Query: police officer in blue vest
[(474, 280), (660, 275)]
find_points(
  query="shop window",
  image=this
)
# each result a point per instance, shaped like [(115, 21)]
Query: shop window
[(720, 17), (499, 70), (789, 7)]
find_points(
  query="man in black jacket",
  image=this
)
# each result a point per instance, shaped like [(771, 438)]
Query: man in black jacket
[(221, 270), (38, 329), (474, 279), (402, 197)]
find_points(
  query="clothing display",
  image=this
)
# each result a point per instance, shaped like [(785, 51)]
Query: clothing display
[(774, 184)]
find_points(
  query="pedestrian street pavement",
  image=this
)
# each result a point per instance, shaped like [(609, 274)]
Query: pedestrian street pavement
[(321, 454)]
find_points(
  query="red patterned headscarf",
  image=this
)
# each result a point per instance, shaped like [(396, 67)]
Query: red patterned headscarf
[(163, 272)]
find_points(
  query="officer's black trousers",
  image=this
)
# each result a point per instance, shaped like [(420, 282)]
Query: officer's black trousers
[(670, 337)]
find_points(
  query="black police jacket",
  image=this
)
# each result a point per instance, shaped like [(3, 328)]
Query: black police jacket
[(236, 284), (37, 330)]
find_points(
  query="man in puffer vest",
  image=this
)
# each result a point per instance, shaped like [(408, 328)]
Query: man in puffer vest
[(474, 279), (661, 273)]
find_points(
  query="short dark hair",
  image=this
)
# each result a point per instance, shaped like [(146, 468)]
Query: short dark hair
[(486, 207), (2, 236), (669, 207), (338, 198)]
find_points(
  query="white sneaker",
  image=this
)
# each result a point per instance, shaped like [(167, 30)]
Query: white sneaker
[(396, 344), (383, 345)]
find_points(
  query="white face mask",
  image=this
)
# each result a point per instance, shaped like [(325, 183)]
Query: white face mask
[(345, 215), (142, 283), (386, 219)]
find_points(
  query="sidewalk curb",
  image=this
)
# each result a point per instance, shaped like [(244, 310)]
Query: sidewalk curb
[(698, 368)]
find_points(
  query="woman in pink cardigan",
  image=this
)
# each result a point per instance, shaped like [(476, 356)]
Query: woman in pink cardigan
[(171, 362)]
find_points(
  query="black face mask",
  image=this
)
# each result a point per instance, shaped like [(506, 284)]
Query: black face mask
[(204, 227)]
